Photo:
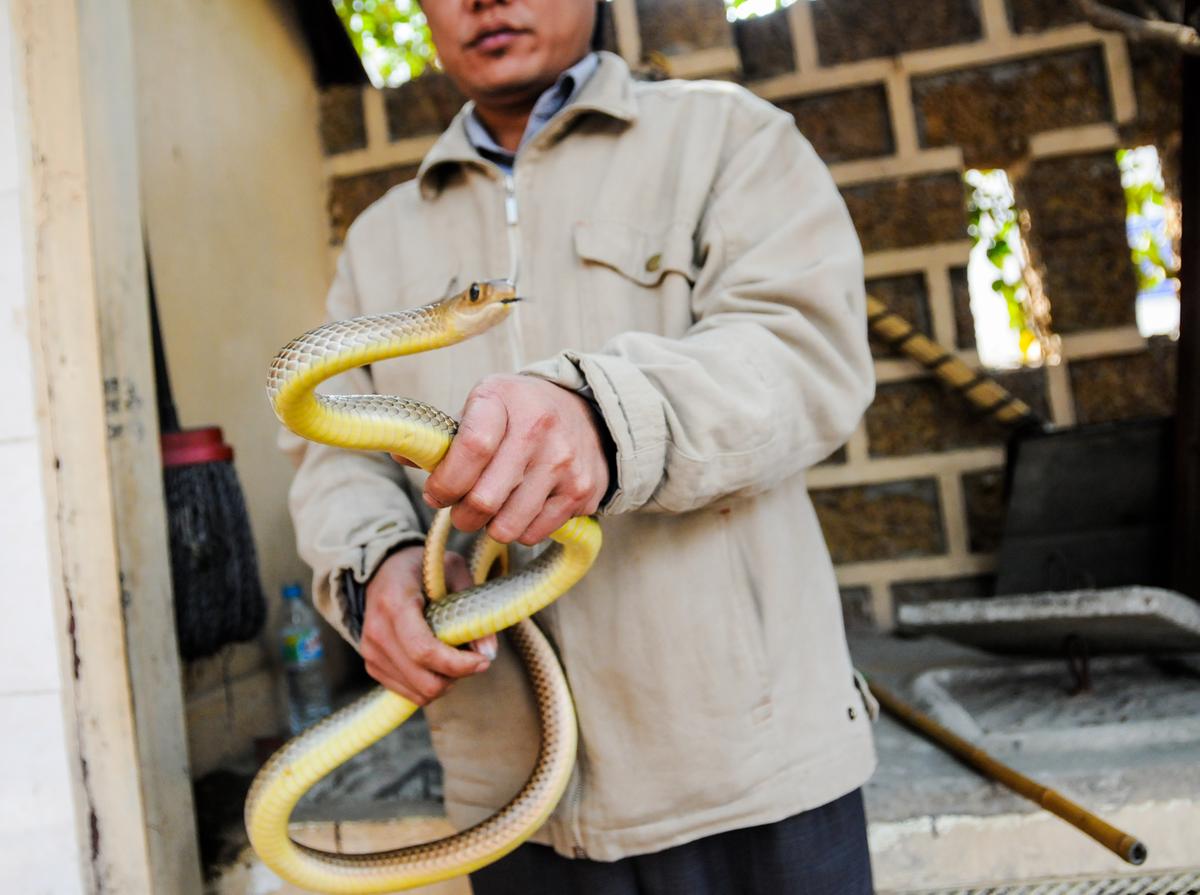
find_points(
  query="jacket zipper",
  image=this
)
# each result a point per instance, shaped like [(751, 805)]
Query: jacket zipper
[(512, 221), (516, 345), (573, 811)]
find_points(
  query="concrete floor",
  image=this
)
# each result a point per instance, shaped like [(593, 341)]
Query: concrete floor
[(1129, 750)]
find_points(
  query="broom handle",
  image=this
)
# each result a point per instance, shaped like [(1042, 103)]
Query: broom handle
[(1127, 847), (980, 389), (168, 417)]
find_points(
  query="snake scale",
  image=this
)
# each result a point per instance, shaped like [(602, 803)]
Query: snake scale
[(422, 434)]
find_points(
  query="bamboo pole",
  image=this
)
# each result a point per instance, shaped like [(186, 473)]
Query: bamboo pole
[(980, 389), (1125, 846)]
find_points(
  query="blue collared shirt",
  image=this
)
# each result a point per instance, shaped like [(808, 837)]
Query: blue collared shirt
[(549, 104)]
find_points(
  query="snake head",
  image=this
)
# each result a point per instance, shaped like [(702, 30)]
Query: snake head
[(481, 306)]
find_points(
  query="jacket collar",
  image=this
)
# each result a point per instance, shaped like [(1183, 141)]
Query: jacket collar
[(608, 92)]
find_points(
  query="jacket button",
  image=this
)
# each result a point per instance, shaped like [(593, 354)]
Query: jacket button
[(850, 712), (653, 263)]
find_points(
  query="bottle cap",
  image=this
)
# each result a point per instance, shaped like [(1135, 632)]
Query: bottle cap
[(292, 591)]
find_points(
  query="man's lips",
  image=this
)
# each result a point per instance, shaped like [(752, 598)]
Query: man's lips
[(495, 39)]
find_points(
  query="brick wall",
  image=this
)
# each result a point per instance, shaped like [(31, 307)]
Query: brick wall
[(899, 96)]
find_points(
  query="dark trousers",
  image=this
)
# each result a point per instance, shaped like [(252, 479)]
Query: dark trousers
[(818, 852)]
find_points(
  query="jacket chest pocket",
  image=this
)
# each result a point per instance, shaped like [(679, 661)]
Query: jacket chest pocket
[(635, 278)]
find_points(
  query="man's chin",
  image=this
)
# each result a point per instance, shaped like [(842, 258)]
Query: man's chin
[(507, 78)]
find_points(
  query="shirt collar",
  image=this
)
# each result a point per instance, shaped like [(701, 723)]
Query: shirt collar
[(608, 92), (552, 100)]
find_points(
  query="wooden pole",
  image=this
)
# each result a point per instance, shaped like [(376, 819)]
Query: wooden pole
[(1120, 843), (99, 437), (1186, 547)]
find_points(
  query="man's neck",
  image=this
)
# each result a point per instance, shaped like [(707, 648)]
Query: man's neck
[(507, 116), (506, 122)]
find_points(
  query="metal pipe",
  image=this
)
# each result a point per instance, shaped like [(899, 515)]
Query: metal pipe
[(1127, 847)]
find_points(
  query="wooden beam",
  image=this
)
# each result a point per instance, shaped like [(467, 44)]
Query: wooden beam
[(100, 441), (1186, 577)]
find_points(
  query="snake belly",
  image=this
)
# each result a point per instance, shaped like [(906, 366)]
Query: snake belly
[(422, 434)]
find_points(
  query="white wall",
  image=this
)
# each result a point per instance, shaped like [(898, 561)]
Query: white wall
[(233, 186), (39, 844)]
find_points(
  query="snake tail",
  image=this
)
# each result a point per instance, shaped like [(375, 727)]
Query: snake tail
[(305, 760)]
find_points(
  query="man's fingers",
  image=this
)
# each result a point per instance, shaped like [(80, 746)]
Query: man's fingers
[(416, 643), (458, 577), (487, 647), (413, 683), (480, 433), (493, 488), (398, 648), (523, 506), (558, 509), (430, 654)]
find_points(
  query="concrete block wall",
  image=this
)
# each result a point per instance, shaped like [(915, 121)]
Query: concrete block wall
[(899, 97), (233, 203)]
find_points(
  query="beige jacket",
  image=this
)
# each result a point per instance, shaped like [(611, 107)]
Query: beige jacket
[(689, 258)]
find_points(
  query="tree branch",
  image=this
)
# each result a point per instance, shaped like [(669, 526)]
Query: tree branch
[(1175, 34)]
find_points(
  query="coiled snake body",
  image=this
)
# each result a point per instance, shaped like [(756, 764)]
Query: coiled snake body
[(422, 434)]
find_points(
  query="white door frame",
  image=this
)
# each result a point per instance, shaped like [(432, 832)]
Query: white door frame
[(99, 436)]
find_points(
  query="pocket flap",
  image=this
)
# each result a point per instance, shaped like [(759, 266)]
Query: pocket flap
[(645, 256)]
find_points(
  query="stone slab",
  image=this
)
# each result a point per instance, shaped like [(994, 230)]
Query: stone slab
[(399, 776), (1130, 702), (1116, 620), (936, 825)]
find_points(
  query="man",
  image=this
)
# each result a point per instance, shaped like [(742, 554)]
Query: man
[(696, 339)]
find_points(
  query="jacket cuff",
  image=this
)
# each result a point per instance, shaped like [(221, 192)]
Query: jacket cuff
[(631, 409), (348, 582)]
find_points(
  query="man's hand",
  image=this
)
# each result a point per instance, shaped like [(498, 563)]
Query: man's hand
[(527, 457), (397, 645)]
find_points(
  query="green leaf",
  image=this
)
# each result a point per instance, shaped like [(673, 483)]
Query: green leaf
[(391, 37), (735, 8), (997, 252)]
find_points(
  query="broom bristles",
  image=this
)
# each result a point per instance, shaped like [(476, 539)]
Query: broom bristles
[(214, 566)]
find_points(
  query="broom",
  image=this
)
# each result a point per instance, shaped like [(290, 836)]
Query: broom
[(214, 569)]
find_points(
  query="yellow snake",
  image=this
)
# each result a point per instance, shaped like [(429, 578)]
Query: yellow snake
[(422, 434)]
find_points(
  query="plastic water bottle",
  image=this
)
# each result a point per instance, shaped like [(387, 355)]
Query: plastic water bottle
[(303, 662)]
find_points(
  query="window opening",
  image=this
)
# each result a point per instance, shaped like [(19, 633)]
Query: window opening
[(390, 36), (1010, 311), (1151, 227), (748, 9)]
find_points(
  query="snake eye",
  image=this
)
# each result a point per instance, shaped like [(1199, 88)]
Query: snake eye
[(474, 292)]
